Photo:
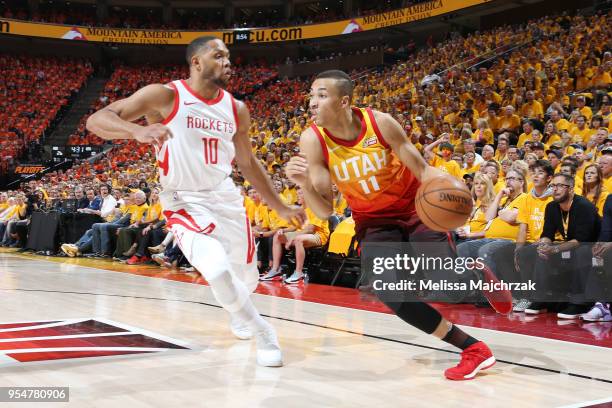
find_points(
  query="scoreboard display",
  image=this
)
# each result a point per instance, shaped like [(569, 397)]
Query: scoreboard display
[(242, 36), (62, 153)]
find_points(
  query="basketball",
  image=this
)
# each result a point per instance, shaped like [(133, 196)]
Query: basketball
[(443, 203)]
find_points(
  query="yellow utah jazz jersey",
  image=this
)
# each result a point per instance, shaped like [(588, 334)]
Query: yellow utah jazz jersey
[(369, 175)]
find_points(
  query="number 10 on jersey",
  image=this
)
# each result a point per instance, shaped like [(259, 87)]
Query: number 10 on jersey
[(211, 150)]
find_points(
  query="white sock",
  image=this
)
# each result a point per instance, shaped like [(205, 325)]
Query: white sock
[(233, 295)]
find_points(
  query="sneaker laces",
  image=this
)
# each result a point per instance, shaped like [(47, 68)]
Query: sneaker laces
[(468, 356)]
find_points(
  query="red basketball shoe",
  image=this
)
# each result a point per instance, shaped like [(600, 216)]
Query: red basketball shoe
[(473, 359)]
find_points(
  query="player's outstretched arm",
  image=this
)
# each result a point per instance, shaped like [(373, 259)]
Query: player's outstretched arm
[(115, 120), (310, 172), (408, 154), (254, 172)]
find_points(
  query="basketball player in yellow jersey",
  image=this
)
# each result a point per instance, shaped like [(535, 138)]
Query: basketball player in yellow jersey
[(368, 156)]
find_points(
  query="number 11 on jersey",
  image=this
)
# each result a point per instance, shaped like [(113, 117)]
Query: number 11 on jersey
[(366, 188)]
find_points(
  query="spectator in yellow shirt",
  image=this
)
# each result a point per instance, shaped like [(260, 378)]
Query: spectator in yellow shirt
[(550, 134), (581, 133), (483, 134), (526, 135), (593, 187), (582, 108), (501, 230), (532, 109), (492, 169), (569, 168), (509, 122), (444, 163), (483, 194), (531, 223), (340, 205), (605, 162), (501, 153), (314, 233), (559, 122), (554, 157), (602, 78), (470, 165)]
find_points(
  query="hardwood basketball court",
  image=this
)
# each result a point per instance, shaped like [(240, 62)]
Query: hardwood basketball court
[(341, 349)]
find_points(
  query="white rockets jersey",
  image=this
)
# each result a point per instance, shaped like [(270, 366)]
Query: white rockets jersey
[(199, 155)]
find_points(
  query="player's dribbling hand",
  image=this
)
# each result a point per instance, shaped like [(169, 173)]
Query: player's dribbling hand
[(155, 134), (297, 169)]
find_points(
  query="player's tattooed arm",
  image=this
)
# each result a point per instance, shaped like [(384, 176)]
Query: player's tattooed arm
[(395, 136), (115, 121), (310, 172)]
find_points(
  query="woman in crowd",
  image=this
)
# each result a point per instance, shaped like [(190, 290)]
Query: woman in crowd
[(593, 188), (483, 195)]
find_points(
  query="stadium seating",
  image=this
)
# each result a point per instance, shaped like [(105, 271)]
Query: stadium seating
[(34, 91)]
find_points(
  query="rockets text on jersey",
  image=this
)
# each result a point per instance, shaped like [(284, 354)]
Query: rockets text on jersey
[(200, 153)]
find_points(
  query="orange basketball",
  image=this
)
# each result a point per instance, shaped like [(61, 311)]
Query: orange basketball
[(443, 203)]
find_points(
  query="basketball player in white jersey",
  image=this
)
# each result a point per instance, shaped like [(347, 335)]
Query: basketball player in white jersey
[(197, 129)]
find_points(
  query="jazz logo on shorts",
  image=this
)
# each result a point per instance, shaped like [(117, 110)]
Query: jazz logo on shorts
[(26, 342)]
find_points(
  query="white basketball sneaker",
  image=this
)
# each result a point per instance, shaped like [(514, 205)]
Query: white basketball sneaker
[(240, 329), (268, 350)]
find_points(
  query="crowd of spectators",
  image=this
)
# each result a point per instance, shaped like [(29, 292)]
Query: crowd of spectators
[(520, 130), (35, 92), (127, 79)]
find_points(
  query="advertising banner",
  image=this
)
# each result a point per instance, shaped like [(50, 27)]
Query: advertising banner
[(254, 35)]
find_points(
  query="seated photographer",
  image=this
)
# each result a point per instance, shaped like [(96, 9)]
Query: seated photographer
[(314, 233), (564, 256)]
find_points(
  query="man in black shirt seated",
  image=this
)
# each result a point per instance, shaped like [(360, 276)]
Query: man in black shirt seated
[(564, 258)]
